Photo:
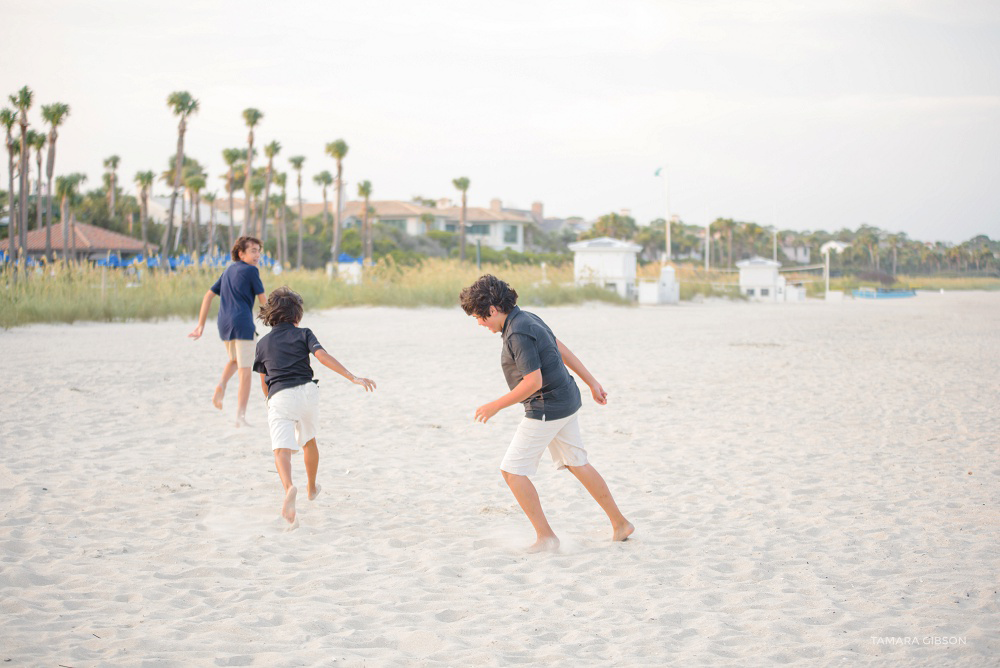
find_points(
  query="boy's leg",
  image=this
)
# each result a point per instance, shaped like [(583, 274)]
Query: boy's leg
[(527, 498), (598, 489), (310, 454), (220, 389), (244, 395), (283, 462)]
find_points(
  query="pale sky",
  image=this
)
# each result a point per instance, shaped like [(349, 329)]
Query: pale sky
[(811, 115)]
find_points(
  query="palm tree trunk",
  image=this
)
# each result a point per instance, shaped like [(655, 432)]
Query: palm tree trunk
[(22, 228), (461, 232), (72, 234), (49, 171), (298, 258), (246, 186), (196, 229), (11, 218), (230, 187), (178, 163), (211, 231), (267, 200), (144, 204), (64, 219), (38, 193), (335, 249), (365, 233)]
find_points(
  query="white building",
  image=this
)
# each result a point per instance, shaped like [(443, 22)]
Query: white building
[(607, 262), (493, 227), (761, 281)]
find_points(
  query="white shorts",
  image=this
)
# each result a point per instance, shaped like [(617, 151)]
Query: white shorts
[(292, 415), (562, 437)]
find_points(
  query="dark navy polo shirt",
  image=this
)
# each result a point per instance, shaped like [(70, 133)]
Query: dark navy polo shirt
[(529, 345), (238, 287), (283, 357)]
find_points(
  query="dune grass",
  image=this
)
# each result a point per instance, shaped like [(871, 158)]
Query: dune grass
[(66, 294)]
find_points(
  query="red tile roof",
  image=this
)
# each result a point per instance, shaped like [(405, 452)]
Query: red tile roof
[(89, 239)]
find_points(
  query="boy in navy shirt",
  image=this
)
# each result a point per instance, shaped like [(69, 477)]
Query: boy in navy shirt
[(534, 364), (282, 360), (237, 288)]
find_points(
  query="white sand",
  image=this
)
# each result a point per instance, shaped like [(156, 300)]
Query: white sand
[(803, 478)]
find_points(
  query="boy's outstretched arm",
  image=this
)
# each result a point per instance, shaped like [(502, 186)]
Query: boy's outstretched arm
[(206, 303), (576, 366), (330, 362), (528, 386)]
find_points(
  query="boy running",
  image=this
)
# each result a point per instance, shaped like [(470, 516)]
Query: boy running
[(534, 364), (237, 288), (282, 360)]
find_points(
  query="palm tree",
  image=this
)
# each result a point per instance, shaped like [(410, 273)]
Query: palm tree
[(297, 166), (462, 184), (428, 220), (145, 182), (8, 118), (37, 141), (281, 238), (111, 164), (66, 189), (256, 188), (337, 150), (251, 117), (232, 157), (210, 198), (365, 190), (22, 100), (195, 183), (54, 114), (324, 179), (183, 105), (270, 151)]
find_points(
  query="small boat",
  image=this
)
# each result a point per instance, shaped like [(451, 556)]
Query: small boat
[(884, 293)]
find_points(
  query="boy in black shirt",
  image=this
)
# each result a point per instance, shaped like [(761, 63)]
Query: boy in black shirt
[(534, 364), (282, 360)]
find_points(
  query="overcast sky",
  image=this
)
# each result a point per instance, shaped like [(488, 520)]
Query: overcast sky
[(811, 115)]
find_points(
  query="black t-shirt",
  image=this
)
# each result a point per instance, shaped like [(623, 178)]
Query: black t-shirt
[(283, 357), (529, 345)]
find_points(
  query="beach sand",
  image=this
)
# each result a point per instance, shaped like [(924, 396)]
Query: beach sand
[(811, 484)]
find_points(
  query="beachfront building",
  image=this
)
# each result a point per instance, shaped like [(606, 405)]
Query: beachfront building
[(610, 263), (761, 281), (493, 228), (86, 242)]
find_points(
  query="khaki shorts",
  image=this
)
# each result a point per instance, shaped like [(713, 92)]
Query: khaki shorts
[(292, 415), (562, 437), (242, 352)]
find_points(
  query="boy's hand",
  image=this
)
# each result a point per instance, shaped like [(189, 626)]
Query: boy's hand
[(600, 396), (366, 383), (486, 411), (197, 332)]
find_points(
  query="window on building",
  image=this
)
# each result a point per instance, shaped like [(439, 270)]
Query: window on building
[(764, 292), (749, 292), (510, 234), (450, 227), (479, 230), (395, 222)]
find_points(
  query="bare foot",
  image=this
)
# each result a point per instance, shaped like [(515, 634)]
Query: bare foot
[(549, 544), (313, 494), (288, 507), (217, 397), (623, 532), (241, 421)]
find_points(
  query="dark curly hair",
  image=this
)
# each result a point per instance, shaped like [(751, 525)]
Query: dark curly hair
[(283, 305), (241, 246), (488, 291)]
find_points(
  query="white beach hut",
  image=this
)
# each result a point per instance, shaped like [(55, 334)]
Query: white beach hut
[(760, 280), (607, 262)]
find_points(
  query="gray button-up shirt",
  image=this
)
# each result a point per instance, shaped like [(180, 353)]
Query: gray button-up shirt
[(529, 345)]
